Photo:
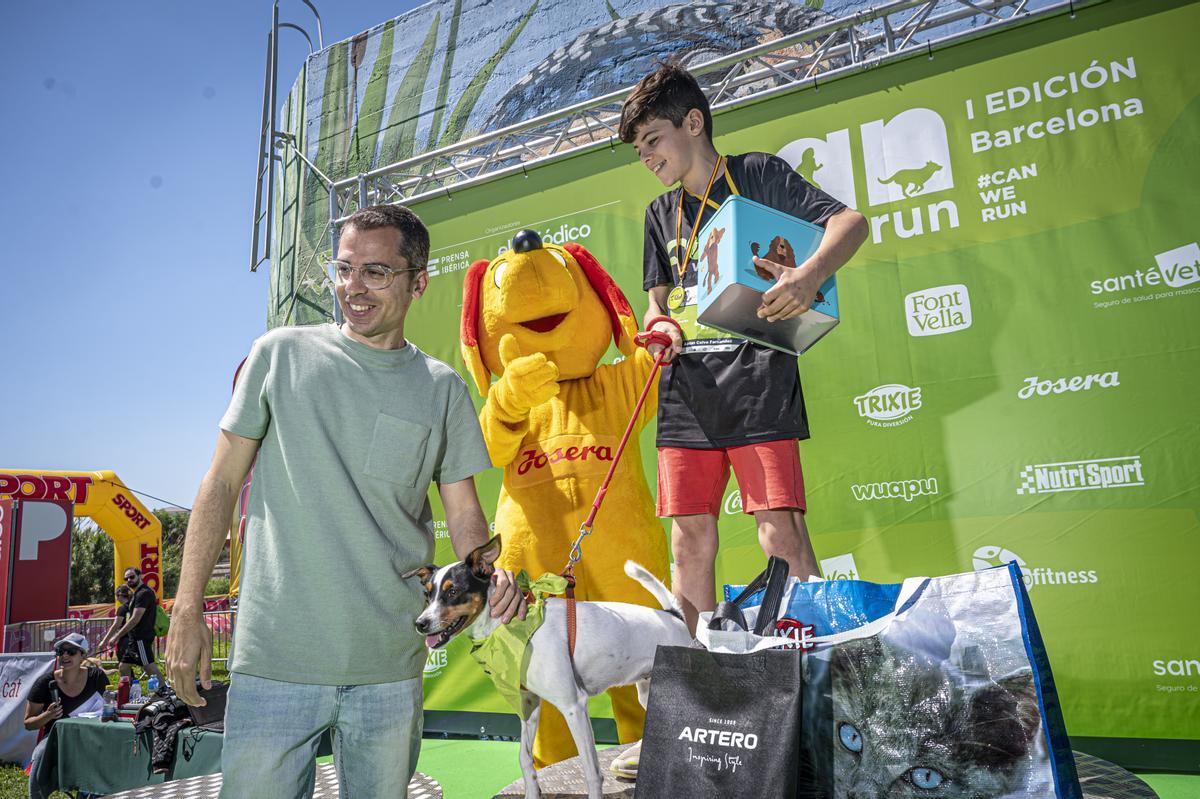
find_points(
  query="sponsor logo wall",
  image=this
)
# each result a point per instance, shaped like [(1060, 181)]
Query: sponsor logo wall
[(974, 406)]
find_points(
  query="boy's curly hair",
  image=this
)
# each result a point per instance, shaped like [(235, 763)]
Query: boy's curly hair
[(669, 92)]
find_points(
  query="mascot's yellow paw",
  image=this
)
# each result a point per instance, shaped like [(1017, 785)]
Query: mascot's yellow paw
[(527, 380)]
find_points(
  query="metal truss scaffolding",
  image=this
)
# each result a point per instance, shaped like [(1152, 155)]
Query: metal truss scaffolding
[(806, 59)]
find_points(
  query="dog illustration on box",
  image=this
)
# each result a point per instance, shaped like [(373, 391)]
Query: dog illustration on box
[(780, 251), (711, 270)]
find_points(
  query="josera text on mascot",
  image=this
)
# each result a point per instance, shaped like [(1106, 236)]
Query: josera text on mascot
[(540, 317)]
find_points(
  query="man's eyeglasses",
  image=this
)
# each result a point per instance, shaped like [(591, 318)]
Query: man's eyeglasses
[(69, 652), (130, 578), (373, 276)]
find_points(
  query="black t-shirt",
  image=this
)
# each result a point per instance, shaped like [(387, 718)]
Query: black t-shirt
[(727, 391), (123, 612), (144, 597), (96, 683)]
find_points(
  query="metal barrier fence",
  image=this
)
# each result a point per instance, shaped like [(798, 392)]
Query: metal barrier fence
[(39, 636)]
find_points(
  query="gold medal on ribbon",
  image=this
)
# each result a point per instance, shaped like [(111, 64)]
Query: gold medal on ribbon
[(675, 298)]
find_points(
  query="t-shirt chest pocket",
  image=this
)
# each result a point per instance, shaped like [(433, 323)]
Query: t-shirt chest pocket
[(397, 451)]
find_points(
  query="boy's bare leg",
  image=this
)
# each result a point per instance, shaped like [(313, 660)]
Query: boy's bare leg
[(694, 544), (784, 534)]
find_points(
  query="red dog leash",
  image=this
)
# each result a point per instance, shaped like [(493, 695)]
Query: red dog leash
[(585, 529)]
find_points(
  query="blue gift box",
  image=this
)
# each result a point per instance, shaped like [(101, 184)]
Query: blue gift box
[(729, 287)]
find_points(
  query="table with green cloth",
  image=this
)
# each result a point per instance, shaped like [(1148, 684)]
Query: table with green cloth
[(98, 757)]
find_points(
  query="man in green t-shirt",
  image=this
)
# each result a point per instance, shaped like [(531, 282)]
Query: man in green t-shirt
[(346, 427)]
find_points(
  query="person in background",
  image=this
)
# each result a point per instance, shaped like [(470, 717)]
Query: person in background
[(135, 636), (76, 687), (124, 594)]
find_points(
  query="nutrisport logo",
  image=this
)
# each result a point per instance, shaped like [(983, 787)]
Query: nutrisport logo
[(435, 663), (889, 405), (987, 557), (903, 158), (1086, 475)]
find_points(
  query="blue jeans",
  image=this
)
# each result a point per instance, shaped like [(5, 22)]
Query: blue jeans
[(272, 730)]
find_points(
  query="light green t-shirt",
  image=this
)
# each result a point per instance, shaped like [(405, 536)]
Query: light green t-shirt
[(352, 437)]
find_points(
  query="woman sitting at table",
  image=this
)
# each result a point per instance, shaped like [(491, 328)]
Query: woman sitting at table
[(75, 688)]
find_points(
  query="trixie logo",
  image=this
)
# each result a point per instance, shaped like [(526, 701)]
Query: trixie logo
[(131, 512), (536, 459), (564, 233), (1175, 268), (733, 503), (889, 405), (726, 738), (800, 634), (149, 566), (990, 556), (907, 490), (1042, 388), (1050, 478), (45, 486), (943, 309), (904, 157), (840, 567), (435, 662)]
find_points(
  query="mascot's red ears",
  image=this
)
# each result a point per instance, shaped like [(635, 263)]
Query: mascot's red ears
[(620, 314), (624, 326), (468, 336)]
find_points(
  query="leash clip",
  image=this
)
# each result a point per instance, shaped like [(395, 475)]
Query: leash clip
[(585, 530)]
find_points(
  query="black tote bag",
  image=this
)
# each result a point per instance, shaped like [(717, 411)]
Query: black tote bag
[(720, 725)]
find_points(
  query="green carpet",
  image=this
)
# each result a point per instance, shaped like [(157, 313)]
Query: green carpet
[(478, 769)]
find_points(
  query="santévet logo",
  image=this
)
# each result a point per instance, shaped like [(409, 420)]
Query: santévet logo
[(938, 310), (889, 405), (840, 567), (1087, 475), (1177, 668), (1175, 268)]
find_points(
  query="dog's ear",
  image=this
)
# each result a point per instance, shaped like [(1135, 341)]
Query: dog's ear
[(424, 573), (482, 559)]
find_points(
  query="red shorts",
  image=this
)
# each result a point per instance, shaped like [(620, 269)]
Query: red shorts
[(692, 481)]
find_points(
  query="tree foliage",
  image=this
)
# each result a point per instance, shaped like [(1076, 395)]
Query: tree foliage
[(92, 559)]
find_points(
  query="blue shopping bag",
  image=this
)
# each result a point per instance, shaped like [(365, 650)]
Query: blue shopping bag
[(936, 686)]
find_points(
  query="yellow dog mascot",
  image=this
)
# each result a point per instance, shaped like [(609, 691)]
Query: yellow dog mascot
[(540, 317)]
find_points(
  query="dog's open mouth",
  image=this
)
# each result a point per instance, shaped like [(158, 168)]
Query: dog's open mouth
[(438, 640), (545, 324)]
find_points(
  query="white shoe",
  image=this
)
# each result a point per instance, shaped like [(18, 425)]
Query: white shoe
[(626, 765)]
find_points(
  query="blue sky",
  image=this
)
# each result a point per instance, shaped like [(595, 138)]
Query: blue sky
[(129, 133)]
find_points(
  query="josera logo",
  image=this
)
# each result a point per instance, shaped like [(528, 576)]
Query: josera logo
[(904, 157), (435, 663), (988, 556), (45, 486)]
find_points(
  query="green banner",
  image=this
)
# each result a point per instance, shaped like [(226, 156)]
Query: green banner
[(1018, 350)]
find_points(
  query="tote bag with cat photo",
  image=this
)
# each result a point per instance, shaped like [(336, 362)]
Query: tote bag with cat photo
[(948, 694)]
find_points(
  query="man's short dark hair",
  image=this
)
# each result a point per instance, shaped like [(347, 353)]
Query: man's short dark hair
[(414, 237), (668, 92), (133, 569)]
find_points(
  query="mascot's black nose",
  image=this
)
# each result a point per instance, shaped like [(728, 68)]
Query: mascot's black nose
[(527, 240)]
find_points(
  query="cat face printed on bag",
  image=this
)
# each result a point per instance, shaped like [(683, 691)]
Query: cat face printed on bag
[(905, 727)]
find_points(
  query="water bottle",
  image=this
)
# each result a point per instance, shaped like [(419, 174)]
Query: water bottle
[(110, 706), (135, 692), (152, 684), (123, 690)]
